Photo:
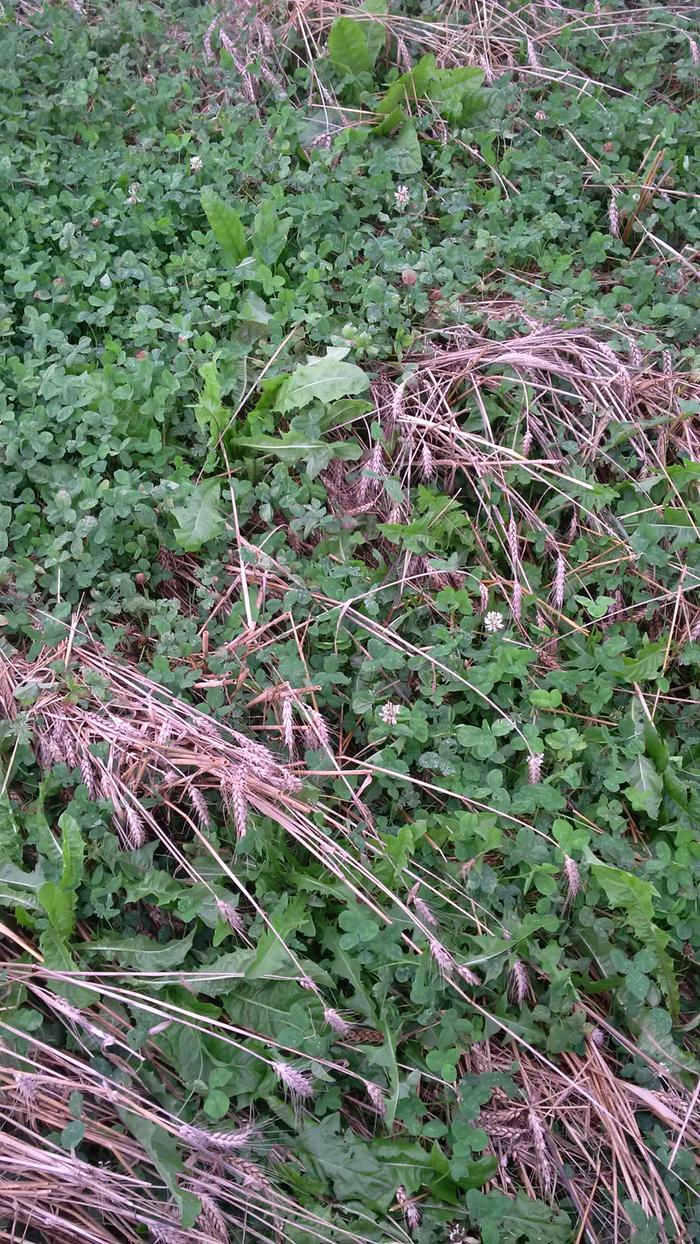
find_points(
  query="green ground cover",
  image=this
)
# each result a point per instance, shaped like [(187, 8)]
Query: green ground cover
[(349, 569)]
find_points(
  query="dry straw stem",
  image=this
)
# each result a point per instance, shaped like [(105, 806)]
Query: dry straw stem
[(158, 742), (298, 1084), (592, 1146), (532, 41), (155, 738), (431, 408), (572, 385), (155, 741), (65, 1198)]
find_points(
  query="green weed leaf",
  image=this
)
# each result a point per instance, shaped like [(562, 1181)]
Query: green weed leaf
[(59, 905), (293, 447), (199, 518), (321, 380), (348, 48), (210, 412), (72, 851), (226, 226), (457, 94), (623, 889), (270, 231), (517, 1220), (409, 87), (403, 153), (143, 953), (376, 32), (645, 789)]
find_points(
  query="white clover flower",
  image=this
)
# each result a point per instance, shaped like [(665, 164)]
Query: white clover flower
[(493, 622), (402, 196), (389, 713), (196, 164)]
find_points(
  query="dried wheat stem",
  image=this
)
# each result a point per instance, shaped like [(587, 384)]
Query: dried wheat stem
[(376, 1097), (467, 975), (199, 805), (613, 214), (519, 981), (288, 721), (559, 584), (410, 1209), (534, 768), (442, 957), (296, 1083), (212, 1220), (230, 916), (336, 1023), (233, 792), (532, 57), (541, 1147), (427, 461), (222, 1142)]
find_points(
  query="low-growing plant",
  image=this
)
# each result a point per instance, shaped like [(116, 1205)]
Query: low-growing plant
[(349, 565)]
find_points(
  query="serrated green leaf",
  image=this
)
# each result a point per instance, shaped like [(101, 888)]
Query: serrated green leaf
[(321, 380), (376, 32), (254, 311), (19, 888), (361, 1172), (226, 226), (645, 789), (623, 889), (293, 447), (391, 122), (270, 231), (59, 905), (517, 1219), (410, 86), (209, 411), (166, 1155), (199, 517), (57, 958), (636, 897), (456, 93), (665, 974), (72, 851), (347, 47), (142, 952), (646, 665), (403, 153)]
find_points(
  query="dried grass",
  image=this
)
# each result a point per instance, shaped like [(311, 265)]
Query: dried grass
[(94, 714), (531, 41), (590, 1149), (55, 1193), (131, 740), (486, 411)]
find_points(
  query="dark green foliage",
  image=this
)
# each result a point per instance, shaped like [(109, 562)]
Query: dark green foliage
[(191, 353)]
